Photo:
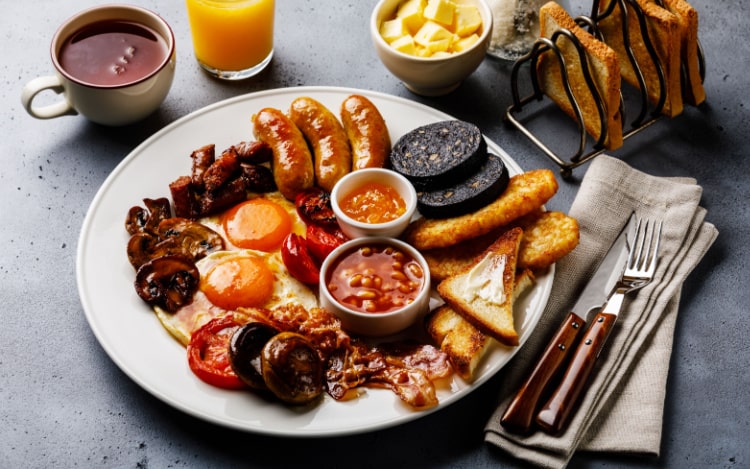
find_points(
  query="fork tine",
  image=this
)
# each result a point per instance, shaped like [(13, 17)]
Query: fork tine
[(648, 239), (632, 257), (652, 261), (645, 247)]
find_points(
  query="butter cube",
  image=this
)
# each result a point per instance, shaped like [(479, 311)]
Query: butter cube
[(467, 20), (405, 44), (411, 13), (442, 45), (464, 43), (432, 32), (441, 54), (440, 11), (393, 29)]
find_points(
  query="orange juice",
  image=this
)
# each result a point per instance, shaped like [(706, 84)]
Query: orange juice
[(231, 35)]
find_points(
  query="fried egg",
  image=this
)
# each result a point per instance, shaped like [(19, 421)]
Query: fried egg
[(240, 277), (237, 267)]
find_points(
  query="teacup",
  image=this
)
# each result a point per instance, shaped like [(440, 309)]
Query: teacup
[(114, 64)]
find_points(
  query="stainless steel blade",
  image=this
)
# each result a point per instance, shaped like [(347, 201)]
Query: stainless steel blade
[(604, 279)]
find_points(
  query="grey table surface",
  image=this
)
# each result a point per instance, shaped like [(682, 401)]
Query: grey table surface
[(66, 404)]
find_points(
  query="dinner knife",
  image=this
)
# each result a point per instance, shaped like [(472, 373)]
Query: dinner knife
[(520, 414), (554, 415)]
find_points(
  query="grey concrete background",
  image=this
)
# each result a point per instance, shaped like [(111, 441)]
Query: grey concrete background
[(65, 404)]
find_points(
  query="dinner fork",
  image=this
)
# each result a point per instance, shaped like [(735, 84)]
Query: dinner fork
[(638, 272)]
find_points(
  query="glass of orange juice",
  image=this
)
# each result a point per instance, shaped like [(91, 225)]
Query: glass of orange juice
[(232, 39)]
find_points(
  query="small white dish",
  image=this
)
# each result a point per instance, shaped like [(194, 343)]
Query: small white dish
[(430, 76), (375, 324), (357, 229)]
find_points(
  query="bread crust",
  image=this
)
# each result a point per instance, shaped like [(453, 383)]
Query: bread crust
[(687, 16), (493, 319), (664, 31), (464, 344), (604, 69)]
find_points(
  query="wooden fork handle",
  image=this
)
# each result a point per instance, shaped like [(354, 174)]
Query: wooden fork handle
[(555, 414), (519, 416)]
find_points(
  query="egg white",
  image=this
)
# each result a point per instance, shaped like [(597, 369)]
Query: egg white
[(286, 289)]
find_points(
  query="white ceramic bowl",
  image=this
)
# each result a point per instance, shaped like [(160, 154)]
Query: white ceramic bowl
[(429, 76), (356, 229), (375, 324)]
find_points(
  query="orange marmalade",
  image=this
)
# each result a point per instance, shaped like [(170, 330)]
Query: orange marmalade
[(373, 202)]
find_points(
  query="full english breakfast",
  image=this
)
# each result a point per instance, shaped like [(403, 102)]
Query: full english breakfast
[(234, 274)]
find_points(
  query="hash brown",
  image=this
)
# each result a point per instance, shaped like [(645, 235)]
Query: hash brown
[(547, 237), (525, 193)]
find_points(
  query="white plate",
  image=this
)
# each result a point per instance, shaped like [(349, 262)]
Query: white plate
[(133, 337)]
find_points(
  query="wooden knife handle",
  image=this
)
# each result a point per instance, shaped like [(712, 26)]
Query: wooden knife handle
[(555, 414), (519, 416)]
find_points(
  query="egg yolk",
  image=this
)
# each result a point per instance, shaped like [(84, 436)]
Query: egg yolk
[(236, 282), (257, 224)]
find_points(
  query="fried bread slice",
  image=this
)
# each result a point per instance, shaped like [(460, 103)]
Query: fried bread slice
[(483, 293), (525, 193), (547, 237), (464, 344), (603, 67), (693, 92), (664, 31)]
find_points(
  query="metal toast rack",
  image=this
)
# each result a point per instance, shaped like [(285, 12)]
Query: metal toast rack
[(649, 112)]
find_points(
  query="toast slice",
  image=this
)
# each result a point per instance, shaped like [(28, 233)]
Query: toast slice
[(664, 31), (692, 86), (602, 65), (464, 344), (483, 293)]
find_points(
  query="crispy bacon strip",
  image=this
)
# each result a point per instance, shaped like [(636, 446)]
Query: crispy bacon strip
[(351, 367), (410, 385), (406, 368), (415, 356)]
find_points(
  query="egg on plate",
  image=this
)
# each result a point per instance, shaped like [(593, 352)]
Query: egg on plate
[(250, 272)]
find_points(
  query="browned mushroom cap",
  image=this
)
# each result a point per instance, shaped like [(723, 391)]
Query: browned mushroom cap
[(141, 247), (245, 349), (147, 220), (189, 238), (168, 282), (292, 368)]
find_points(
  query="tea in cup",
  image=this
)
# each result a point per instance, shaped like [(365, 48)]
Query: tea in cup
[(114, 64), (232, 39)]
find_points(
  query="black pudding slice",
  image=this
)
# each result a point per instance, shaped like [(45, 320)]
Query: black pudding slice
[(469, 195), (437, 155)]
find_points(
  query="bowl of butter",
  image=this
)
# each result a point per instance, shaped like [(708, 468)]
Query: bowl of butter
[(432, 46)]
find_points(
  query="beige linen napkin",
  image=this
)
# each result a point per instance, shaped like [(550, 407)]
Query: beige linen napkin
[(621, 409)]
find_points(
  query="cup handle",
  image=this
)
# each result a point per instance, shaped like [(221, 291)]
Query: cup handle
[(37, 85)]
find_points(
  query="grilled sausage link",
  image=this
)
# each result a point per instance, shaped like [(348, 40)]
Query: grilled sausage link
[(367, 132), (292, 162), (331, 154)]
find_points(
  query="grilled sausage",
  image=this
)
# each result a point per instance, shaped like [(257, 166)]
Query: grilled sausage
[(292, 162), (367, 132), (331, 154)]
